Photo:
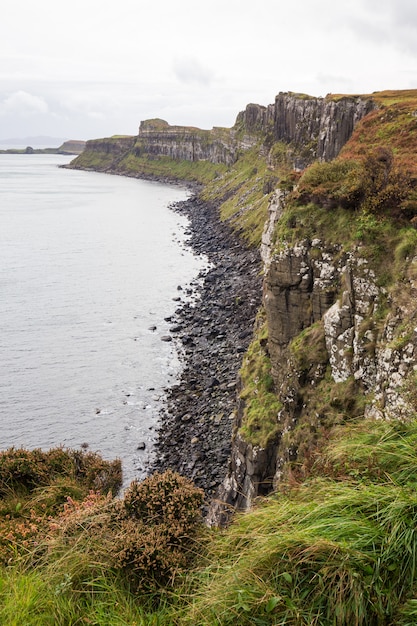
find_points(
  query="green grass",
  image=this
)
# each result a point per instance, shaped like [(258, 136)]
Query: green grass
[(374, 237), (97, 161), (260, 420), (30, 598), (340, 550), (196, 171), (244, 191)]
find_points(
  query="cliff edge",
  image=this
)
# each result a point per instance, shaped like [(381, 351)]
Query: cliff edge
[(325, 188)]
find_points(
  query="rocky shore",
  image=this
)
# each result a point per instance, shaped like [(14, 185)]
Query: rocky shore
[(194, 436)]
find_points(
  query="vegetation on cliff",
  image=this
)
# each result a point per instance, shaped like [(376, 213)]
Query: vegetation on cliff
[(338, 549), (363, 202)]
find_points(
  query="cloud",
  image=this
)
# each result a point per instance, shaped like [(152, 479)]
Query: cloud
[(405, 12), (190, 71), (387, 23), (24, 104)]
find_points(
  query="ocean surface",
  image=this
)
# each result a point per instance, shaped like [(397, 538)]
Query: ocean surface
[(89, 263)]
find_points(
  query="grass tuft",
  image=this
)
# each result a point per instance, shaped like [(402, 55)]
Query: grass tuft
[(334, 551)]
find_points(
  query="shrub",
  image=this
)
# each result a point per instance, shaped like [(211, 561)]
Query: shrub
[(35, 485), (385, 186), (376, 184), (25, 470), (147, 536), (156, 524), (22, 469), (167, 498), (331, 184)]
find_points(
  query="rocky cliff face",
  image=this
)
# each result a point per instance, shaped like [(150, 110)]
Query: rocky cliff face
[(116, 146), (104, 155), (316, 128), (184, 143), (337, 342), (313, 128)]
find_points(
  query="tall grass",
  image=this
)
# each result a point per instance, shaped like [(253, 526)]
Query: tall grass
[(340, 550), (29, 598)]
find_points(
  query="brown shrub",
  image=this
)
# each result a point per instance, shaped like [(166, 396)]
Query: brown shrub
[(149, 535), (24, 470), (35, 485), (166, 498), (157, 523)]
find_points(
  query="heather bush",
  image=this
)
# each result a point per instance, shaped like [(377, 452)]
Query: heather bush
[(25, 470), (375, 184), (147, 536), (156, 523), (166, 498), (35, 486), (386, 188), (331, 184)]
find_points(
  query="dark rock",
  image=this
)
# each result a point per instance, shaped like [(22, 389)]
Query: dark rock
[(215, 331), (166, 338)]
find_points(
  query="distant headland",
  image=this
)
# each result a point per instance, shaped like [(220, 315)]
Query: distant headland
[(73, 146)]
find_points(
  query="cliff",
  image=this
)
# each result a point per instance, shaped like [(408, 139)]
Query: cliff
[(157, 138), (103, 154), (72, 146), (326, 188), (336, 339), (312, 128), (317, 128)]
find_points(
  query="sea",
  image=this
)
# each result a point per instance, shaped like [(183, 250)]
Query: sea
[(92, 266)]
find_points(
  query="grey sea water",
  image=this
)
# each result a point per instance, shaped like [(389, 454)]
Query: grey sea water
[(88, 264)]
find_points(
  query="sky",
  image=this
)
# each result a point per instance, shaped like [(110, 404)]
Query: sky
[(85, 69)]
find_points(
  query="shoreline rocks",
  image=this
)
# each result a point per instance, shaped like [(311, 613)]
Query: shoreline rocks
[(213, 332)]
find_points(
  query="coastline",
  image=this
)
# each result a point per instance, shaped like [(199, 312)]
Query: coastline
[(213, 332)]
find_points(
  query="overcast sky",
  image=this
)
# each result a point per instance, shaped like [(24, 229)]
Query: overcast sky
[(92, 68)]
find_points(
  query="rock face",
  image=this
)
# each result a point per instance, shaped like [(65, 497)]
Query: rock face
[(73, 146), (103, 155), (316, 128), (313, 128), (318, 290), (184, 143), (116, 146)]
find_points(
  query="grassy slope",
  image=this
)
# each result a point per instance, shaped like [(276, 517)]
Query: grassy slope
[(341, 548)]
